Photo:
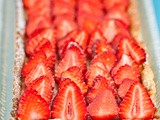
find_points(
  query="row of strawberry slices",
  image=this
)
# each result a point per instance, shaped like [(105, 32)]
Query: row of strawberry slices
[(109, 88), (64, 15), (37, 72)]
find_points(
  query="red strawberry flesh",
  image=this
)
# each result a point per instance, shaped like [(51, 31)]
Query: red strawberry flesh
[(100, 84), (124, 87), (73, 56), (137, 104), (126, 71), (43, 87), (104, 106), (40, 70), (76, 75), (69, 103), (32, 106)]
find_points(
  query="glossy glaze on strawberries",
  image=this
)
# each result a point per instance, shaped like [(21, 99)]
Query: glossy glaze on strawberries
[(84, 50)]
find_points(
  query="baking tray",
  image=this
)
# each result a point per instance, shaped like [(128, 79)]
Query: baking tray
[(9, 34)]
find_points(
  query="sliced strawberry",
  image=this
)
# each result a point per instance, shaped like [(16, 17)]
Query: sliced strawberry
[(119, 14), (124, 87), (48, 34), (50, 52), (32, 106), (95, 35), (83, 15), (69, 103), (32, 62), (137, 104), (112, 27), (100, 83), (39, 70), (102, 46), (89, 25), (69, 2), (40, 9), (79, 36), (43, 86), (73, 56), (35, 33), (29, 4), (76, 75), (130, 47), (125, 59), (126, 71), (117, 39), (114, 3), (98, 4), (104, 106), (63, 25), (100, 65), (94, 71), (37, 22), (62, 7), (89, 7), (62, 45), (107, 58), (63, 83)]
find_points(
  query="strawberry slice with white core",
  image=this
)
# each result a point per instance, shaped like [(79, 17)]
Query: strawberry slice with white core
[(118, 14), (107, 58), (94, 71), (32, 62), (63, 25), (100, 84), (38, 22), (73, 56), (124, 87), (43, 86), (112, 27), (102, 46), (76, 75), (126, 71), (40, 70), (104, 106), (118, 38), (137, 104), (131, 47), (32, 106), (69, 103), (79, 36), (32, 43), (49, 51), (125, 59)]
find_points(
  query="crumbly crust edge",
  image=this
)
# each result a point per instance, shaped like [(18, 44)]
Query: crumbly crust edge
[(19, 57)]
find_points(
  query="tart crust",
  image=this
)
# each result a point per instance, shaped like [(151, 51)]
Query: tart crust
[(147, 75)]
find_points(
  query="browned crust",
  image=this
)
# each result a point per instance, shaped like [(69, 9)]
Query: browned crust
[(147, 75), (19, 57)]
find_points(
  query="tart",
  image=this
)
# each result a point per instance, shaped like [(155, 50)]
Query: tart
[(82, 60)]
